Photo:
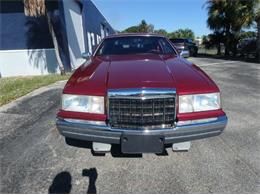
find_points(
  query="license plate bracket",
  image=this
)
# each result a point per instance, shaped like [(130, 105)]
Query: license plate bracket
[(136, 144)]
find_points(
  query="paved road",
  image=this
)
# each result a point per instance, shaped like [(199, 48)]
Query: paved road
[(35, 159)]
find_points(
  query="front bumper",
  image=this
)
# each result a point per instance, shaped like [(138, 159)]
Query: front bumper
[(104, 134)]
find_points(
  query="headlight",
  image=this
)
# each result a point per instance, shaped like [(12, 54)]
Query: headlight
[(199, 102), (82, 103)]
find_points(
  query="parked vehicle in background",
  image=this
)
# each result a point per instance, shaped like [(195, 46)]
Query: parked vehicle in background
[(137, 92), (247, 47), (185, 46)]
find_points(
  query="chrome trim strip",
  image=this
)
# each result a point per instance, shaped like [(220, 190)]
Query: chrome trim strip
[(144, 129), (99, 136), (197, 121), (86, 122), (142, 96), (221, 121), (142, 93)]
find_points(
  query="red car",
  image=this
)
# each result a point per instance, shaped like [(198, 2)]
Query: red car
[(137, 91)]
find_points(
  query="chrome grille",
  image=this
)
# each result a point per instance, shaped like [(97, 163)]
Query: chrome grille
[(142, 109)]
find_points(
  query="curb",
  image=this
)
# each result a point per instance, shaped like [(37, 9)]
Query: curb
[(56, 85)]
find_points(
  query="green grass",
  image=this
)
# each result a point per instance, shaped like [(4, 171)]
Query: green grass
[(14, 87)]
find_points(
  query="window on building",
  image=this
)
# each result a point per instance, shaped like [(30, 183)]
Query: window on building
[(102, 31)]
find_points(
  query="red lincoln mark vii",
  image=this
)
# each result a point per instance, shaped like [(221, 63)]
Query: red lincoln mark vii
[(137, 91)]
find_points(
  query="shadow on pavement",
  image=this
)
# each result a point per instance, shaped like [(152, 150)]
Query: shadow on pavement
[(92, 174), (115, 150), (61, 184), (164, 153), (82, 144), (233, 58)]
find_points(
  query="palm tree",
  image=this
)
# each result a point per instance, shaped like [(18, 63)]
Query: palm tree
[(183, 33), (228, 18), (215, 21), (36, 8), (216, 40), (145, 28)]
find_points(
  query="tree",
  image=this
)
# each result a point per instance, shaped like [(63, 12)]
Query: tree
[(36, 8), (161, 32), (183, 33), (215, 40), (211, 41), (228, 18), (132, 29), (248, 34), (204, 39), (143, 27)]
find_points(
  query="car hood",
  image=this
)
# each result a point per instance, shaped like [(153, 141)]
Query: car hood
[(139, 71)]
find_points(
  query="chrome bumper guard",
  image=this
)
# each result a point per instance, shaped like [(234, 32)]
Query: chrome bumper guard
[(105, 134)]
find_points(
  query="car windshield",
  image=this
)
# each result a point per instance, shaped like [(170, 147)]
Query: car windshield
[(135, 45)]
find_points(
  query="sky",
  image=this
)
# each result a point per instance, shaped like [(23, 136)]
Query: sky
[(167, 14)]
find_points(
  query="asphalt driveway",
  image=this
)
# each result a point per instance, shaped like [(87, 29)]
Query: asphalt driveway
[(35, 158)]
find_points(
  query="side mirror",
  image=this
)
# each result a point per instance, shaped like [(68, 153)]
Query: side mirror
[(86, 55), (179, 51), (185, 53)]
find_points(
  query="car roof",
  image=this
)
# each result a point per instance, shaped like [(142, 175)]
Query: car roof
[(133, 34)]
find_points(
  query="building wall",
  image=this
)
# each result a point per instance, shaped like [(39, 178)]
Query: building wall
[(17, 30), (24, 62), (85, 27), (21, 36), (95, 25), (26, 46), (74, 28)]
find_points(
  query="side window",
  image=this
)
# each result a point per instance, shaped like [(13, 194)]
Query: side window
[(167, 48)]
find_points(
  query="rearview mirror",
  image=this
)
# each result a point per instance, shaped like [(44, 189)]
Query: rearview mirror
[(86, 55)]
